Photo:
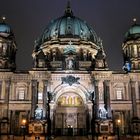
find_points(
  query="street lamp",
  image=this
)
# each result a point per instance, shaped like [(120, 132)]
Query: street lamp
[(118, 130), (23, 126), (137, 130), (0, 129)]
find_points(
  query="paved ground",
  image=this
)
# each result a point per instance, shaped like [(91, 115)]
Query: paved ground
[(71, 138), (2, 137)]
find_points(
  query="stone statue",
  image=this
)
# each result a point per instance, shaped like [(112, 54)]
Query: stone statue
[(102, 113), (69, 63), (38, 113)]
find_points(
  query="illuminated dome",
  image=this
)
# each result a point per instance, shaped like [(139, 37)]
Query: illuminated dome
[(68, 43), (68, 26), (133, 32)]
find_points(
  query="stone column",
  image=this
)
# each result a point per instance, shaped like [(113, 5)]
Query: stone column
[(139, 90), (89, 115), (0, 89), (133, 98), (3, 90), (7, 91), (96, 103), (28, 93), (48, 114), (7, 94), (106, 84), (12, 121), (34, 97), (126, 121), (45, 83), (126, 91)]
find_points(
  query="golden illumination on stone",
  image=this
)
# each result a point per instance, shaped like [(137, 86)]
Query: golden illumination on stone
[(70, 100)]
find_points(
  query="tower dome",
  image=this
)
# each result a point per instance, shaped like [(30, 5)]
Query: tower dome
[(5, 29), (133, 32)]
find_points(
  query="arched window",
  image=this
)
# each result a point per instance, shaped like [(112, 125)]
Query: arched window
[(135, 50), (40, 96), (4, 48), (139, 65), (0, 48), (138, 51)]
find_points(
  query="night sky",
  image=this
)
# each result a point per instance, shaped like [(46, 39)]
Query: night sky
[(109, 18)]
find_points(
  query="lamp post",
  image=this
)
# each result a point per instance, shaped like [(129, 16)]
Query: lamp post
[(118, 129), (137, 130), (48, 117), (93, 117), (0, 129), (23, 126)]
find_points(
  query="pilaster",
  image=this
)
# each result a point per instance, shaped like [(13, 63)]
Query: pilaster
[(133, 97), (106, 85), (96, 106), (45, 83), (34, 97)]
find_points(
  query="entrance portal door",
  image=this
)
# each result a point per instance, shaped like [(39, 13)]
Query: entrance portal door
[(70, 117)]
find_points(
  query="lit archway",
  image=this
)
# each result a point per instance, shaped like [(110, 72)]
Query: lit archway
[(70, 114)]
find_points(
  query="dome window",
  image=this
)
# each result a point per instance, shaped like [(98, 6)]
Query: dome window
[(41, 63), (81, 32), (139, 65), (69, 29), (0, 47), (4, 48), (138, 51), (135, 50)]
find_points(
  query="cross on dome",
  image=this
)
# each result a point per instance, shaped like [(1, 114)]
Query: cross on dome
[(68, 11)]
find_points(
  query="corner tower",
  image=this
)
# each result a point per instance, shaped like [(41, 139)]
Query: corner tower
[(131, 48), (7, 47)]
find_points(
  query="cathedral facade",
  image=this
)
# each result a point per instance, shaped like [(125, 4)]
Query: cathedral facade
[(70, 89)]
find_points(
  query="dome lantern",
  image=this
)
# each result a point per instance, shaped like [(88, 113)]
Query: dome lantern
[(68, 11)]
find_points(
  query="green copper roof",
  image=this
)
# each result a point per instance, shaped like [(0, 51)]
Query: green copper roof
[(68, 26), (133, 32), (5, 30)]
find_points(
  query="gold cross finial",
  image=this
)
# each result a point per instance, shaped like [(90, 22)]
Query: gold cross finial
[(68, 11), (134, 20), (3, 18)]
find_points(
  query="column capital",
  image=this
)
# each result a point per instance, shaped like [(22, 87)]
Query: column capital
[(45, 82), (96, 82), (107, 82), (34, 83)]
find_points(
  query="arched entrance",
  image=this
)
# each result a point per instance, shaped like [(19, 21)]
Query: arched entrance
[(70, 115)]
